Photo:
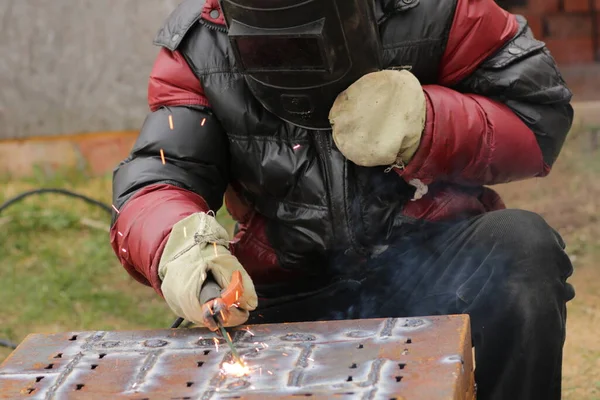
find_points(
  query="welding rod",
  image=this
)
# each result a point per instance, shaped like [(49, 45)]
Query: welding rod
[(210, 291)]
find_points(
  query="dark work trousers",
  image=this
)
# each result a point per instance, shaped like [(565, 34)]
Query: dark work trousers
[(506, 269)]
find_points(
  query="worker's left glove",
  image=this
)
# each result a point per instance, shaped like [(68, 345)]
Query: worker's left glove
[(199, 245), (379, 119)]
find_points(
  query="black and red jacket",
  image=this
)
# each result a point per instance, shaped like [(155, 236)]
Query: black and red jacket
[(498, 110)]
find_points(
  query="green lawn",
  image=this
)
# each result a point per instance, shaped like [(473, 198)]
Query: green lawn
[(58, 272)]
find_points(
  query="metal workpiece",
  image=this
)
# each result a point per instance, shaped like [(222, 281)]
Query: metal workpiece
[(405, 358)]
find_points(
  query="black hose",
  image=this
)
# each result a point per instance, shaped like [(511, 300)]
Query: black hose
[(16, 199), (177, 323), (6, 343), (64, 192)]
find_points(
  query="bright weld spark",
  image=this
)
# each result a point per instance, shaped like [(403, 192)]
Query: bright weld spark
[(228, 336), (203, 121), (215, 247), (310, 359), (249, 331), (296, 147), (223, 318), (264, 345), (124, 251), (285, 354), (162, 156), (120, 234), (216, 343), (184, 232), (171, 122), (235, 369), (115, 208), (269, 372), (237, 295)]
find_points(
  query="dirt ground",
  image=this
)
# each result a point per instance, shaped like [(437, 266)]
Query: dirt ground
[(46, 282)]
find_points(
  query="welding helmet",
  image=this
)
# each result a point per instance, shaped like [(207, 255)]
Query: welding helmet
[(298, 55)]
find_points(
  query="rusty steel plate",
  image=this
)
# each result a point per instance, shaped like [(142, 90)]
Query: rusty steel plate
[(406, 358)]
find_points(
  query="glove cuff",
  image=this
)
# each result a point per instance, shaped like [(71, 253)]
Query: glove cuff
[(199, 229)]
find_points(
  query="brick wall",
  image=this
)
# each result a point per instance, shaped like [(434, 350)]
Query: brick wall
[(565, 25)]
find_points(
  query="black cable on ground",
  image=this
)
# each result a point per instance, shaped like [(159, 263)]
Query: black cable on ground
[(177, 323), (6, 343), (65, 192)]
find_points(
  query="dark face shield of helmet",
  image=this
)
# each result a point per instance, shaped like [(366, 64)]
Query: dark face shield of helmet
[(298, 55)]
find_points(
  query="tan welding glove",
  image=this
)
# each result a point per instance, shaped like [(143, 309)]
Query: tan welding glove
[(190, 253), (379, 119)]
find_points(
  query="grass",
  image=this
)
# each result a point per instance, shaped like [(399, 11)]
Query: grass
[(58, 273)]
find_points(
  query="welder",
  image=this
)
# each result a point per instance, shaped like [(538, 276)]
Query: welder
[(354, 142)]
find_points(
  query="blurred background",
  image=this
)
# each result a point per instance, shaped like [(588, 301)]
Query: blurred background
[(73, 78)]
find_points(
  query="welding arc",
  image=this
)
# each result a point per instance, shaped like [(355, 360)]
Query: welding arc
[(230, 344)]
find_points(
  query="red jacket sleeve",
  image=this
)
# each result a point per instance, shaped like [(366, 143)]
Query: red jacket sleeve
[(140, 232), (469, 138)]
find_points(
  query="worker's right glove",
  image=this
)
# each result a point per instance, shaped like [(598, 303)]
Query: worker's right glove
[(196, 246), (379, 119)]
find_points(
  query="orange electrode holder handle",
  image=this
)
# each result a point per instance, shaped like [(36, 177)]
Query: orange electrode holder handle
[(234, 290), (216, 302)]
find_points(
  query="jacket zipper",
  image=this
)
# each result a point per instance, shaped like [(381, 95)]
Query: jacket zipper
[(338, 212), (213, 26)]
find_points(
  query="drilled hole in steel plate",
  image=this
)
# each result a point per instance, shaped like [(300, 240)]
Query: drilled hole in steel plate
[(101, 355), (298, 337), (39, 378), (241, 384), (353, 365), (359, 334), (399, 378), (413, 323), (206, 352), (302, 395), (94, 366), (211, 342), (401, 365), (189, 384), (79, 386), (360, 346), (349, 379), (73, 338), (199, 363), (49, 366), (154, 343), (59, 355), (408, 341), (30, 390)]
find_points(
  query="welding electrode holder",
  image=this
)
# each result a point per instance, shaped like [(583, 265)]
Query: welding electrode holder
[(216, 302)]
